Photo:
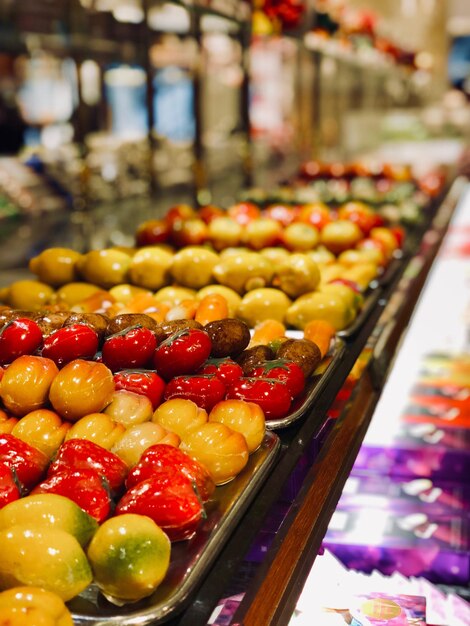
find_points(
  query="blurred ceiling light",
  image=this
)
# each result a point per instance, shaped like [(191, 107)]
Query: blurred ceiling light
[(129, 11), (458, 25), (169, 18)]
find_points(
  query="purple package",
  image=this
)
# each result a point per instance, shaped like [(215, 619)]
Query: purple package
[(419, 450), (401, 495), (414, 544)]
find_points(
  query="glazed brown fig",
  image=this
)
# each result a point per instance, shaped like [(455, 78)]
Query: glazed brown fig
[(50, 321), (251, 358), (126, 320), (303, 352), (229, 337), (8, 315), (169, 328)]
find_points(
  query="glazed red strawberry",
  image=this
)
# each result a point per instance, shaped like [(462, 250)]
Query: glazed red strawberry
[(273, 396), (286, 371), (169, 499), (162, 456), (132, 347), (144, 382), (17, 338), (10, 487), (29, 463), (226, 369), (205, 391), (77, 341), (182, 353), (78, 454), (84, 486)]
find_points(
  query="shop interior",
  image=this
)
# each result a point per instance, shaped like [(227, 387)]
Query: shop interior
[(301, 169)]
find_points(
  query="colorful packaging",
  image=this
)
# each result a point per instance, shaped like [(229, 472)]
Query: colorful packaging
[(413, 544), (397, 495)]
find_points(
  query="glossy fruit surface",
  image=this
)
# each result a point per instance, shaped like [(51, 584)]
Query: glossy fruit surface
[(33, 606), (44, 557), (80, 388), (51, 511), (273, 396), (286, 371), (77, 454), (246, 418), (26, 383), (77, 341), (180, 416), (133, 347), (85, 487), (163, 456), (205, 391), (167, 498), (182, 353), (97, 427), (144, 382), (223, 451), (10, 487), (226, 369), (129, 556), (18, 337), (139, 437), (28, 463), (42, 429), (129, 408)]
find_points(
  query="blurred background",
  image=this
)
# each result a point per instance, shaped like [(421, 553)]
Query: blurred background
[(113, 110)]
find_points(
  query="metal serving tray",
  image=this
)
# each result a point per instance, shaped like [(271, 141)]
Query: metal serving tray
[(315, 385), (190, 560)]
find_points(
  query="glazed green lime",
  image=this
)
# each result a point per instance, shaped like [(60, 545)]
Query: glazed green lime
[(129, 555), (49, 558), (51, 511)]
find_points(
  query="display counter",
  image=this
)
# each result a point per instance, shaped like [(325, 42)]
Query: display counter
[(265, 548), (268, 556)]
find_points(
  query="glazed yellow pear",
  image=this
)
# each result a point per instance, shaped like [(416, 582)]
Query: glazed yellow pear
[(29, 294), (263, 304), (105, 268), (320, 306), (296, 275), (192, 266), (56, 266), (244, 271), (150, 268)]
